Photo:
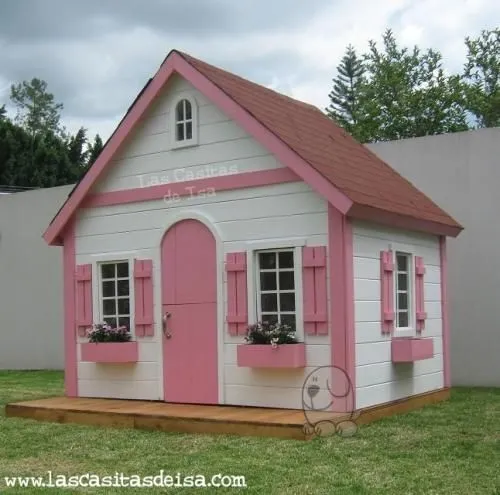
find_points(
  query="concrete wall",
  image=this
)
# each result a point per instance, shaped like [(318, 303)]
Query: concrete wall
[(461, 172), (31, 317)]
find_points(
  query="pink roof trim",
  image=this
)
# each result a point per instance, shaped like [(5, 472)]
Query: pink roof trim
[(176, 63)]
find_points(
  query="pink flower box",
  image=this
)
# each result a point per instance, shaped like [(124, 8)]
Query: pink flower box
[(267, 356), (409, 349), (110, 352)]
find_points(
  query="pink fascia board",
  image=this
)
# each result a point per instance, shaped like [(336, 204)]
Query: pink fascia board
[(175, 62), (264, 136), (192, 188)]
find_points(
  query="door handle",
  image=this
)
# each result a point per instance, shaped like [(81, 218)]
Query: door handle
[(165, 319)]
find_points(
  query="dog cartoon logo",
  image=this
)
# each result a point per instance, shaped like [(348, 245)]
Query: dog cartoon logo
[(328, 403)]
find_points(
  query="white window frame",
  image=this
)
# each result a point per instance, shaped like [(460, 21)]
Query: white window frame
[(410, 329), (100, 295), (253, 280), (194, 122)]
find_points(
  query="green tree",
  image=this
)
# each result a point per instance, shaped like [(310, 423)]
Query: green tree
[(344, 98), (482, 77), (77, 148), (94, 150), (34, 161), (3, 112), (37, 110), (405, 93)]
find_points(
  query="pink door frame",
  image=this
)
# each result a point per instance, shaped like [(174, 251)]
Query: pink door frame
[(189, 295)]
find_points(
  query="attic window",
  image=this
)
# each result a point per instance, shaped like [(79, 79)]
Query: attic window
[(184, 125)]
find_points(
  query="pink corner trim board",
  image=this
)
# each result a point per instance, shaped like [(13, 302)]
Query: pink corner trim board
[(192, 187), (340, 256), (444, 311), (176, 63), (70, 358)]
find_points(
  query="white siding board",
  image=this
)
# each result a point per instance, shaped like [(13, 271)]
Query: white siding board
[(274, 213), (378, 380), (119, 389), (148, 151)]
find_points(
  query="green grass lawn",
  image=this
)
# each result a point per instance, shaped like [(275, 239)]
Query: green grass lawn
[(449, 448)]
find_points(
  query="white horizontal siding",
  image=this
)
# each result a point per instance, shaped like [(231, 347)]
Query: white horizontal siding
[(378, 380), (147, 157), (274, 213), (139, 380)]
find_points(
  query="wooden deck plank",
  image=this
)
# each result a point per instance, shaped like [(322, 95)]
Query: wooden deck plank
[(193, 418)]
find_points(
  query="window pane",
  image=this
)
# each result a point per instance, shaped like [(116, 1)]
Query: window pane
[(267, 260), (402, 281), (189, 130), (270, 318), (123, 306), (288, 320), (124, 322), (111, 322), (402, 260), (286, 259), (108, 288), (287, 281), (402, 320), (287, 302), (269, 303), (180, 132), (123, 287), (403, 301), (109, 306), (108, 270), (267, 280), (188, 110), (180, 111), (122, 269)]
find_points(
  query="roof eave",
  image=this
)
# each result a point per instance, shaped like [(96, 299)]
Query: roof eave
[(369, 213)]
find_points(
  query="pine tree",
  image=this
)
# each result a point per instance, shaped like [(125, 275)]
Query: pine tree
[(77, 148), (344, 101), (94, 150)]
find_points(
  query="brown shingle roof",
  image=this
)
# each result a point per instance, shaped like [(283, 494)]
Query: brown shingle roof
[(353, 169)]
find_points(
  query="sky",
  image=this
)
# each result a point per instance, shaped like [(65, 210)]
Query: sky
[(96, 55)]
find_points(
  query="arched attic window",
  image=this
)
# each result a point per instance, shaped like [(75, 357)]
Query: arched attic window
[(184, 122)]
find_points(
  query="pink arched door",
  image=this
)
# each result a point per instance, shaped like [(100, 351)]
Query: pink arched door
[(189, 297)]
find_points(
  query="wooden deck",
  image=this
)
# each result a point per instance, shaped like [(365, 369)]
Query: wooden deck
[(187, 418)]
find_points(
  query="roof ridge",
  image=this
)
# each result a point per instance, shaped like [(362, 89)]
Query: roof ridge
[(190, 58)]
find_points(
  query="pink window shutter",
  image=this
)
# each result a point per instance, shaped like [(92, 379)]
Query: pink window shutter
[(421, 315), (387, 291), (237, 313), (314, 289), (83, 281), (143, 286)]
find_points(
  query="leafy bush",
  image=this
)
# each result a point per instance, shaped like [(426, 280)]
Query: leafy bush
[(102, 332), (270, 333)]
